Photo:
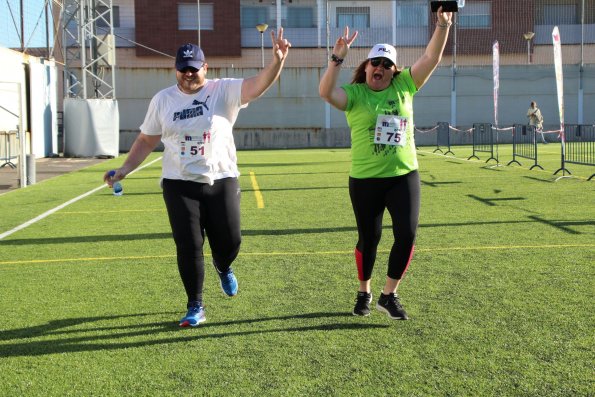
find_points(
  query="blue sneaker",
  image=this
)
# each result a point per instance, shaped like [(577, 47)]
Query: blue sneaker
[(229, 283), (195, 316)]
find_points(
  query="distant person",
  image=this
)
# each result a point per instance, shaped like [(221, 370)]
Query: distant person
[(378, 105), (194, 120), (536, 120)]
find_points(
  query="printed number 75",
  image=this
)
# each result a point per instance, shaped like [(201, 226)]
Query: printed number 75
[(396, 135)]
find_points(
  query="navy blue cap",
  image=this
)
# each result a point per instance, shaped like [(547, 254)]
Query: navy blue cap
[(189, 55)]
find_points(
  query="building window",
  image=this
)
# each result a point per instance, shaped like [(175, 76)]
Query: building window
[(475, 15), (103, 13), (291, 17), (300, 17), (252, 16), (188, 16), (354, 17), (558, 14), (412, 14)]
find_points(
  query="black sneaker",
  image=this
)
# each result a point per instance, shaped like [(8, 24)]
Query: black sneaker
[(362, 304), (390, 305)]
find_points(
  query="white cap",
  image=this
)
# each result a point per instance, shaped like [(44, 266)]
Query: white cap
[(384, 51)]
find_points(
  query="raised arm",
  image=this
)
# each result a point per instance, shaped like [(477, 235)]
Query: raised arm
[(327, 88), (141, 148), (423, 68), (254, 87)]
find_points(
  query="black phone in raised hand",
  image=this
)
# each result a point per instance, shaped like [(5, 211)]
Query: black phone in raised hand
[(447, 6)]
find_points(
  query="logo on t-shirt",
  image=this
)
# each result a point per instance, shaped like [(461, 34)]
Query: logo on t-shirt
[(192, 112)]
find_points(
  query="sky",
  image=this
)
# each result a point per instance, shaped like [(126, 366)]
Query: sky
[(34, 23)]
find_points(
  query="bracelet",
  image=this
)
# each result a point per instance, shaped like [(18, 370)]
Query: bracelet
[(444, 25), (336, 59)]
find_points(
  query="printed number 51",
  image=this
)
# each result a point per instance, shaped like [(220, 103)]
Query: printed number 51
[(195, 149)]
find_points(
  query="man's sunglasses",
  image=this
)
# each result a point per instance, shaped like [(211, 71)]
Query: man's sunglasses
[(386, 63), (188, 69)]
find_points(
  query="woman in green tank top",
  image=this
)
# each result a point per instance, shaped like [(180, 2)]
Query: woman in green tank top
[(378, 105)]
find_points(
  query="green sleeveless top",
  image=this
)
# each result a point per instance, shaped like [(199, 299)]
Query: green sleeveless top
[(371, 160)]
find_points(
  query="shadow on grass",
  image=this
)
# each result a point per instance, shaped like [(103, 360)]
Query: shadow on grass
[(493, 167), (285, 232), (562, 225), (88, 239), (56, 338), (492, 200), (437, 184), (538, 179)]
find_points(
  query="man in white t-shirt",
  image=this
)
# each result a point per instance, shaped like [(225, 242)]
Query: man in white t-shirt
[(194, 120)]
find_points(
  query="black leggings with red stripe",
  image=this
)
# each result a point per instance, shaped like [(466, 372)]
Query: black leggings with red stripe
[(198, 208), (369, 197)]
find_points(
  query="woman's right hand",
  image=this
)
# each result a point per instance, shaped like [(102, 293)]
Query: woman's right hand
[(343, 43)]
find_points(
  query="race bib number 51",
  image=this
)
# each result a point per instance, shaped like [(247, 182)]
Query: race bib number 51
[(193, 147), (391, 130)]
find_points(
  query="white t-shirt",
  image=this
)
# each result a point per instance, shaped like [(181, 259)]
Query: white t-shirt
[(196, 130)]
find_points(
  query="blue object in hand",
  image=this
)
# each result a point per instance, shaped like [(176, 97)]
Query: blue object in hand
[(118, 190), (117, 186)]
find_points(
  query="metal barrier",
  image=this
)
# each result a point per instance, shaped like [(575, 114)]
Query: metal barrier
[(443, 138), (578, 146), (483, 140), (577, 143), (8, 144), (524, 144)]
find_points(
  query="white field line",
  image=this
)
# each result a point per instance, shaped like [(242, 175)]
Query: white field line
[(58, 208)]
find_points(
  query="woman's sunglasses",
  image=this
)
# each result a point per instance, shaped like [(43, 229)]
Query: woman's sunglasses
[(386, 63)]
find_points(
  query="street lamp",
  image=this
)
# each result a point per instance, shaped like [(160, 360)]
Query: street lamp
[(528, 36), (262, 27)]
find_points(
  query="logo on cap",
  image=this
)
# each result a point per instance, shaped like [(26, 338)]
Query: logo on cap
[(189, 55), (383, 50)]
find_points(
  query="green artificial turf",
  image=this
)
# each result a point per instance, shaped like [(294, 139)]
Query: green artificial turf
[(499, 293)]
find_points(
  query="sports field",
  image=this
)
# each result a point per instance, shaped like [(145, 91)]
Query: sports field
[(500, 292)]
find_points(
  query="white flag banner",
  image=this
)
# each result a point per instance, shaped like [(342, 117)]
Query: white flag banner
[(496, 68), (559, 80)]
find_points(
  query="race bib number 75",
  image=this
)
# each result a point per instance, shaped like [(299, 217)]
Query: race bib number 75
[(391, 130)]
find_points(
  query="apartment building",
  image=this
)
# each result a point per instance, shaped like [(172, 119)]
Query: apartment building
[(228, 27), (148, 34)]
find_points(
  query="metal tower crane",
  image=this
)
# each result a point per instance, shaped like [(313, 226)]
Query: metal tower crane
[(89, 49), (91, 118)]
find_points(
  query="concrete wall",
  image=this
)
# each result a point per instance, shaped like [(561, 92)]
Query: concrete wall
[(291, 114)]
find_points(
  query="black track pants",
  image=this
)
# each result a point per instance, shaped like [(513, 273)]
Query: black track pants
[(369, 197), (198, 208)]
